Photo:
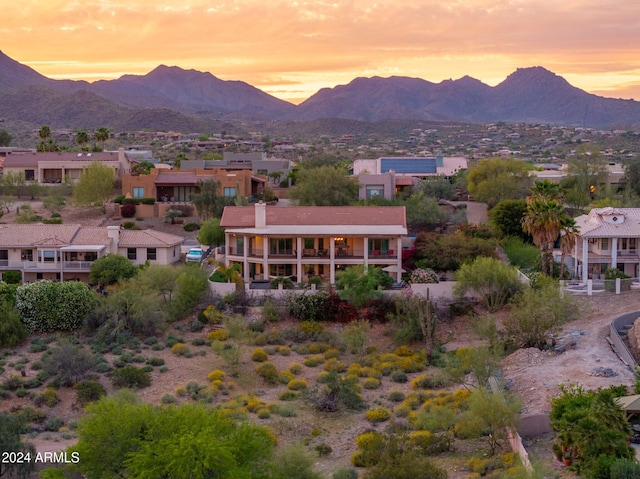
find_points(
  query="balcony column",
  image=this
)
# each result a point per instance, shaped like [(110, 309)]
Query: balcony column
[(366, 252), (265, 257), (585, 259), (399, 257), (226, 250), (614, 252), (332, 260), (299, 272), (245, 259)]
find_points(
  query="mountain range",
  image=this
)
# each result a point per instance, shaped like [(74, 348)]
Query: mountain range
[(171, 98)]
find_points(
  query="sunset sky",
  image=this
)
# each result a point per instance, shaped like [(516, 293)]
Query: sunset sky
[(291, 49)]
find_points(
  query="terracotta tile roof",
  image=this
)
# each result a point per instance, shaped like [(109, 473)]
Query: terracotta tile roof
[(599, 223), (244, 216), (37, 234), (150, 238)]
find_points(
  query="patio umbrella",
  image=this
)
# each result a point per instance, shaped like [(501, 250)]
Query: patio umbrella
[(394, 268)]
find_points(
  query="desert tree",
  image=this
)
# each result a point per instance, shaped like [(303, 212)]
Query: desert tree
[(95, 186), (324, 186)]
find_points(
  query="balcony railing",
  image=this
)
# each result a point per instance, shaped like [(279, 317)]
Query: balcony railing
[(78, 265)]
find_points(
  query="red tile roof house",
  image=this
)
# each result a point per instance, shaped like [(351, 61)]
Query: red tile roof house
[(301, 241), (66, 252), (55, 167), (608, 238)]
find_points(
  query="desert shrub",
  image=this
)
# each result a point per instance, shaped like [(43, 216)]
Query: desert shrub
[(263, 413), (48, 398), (396, 396), (323, 449), (424, 275), (216, 375), (68, 362), (12, 331), (334, 365), (259, 355), (345, 473), (296, 384), (268, 372), (191, 227), (88, 391), (218, 335), (168, 399), (399, 377), (270, 311), (288, 395), (372, 383), (129, 225), (130, 377), (449, 252), (295, 368), (284, 350), (285, 376), (313, 361), (331, 353), (337, 392), (53, 424), (180, 349), (379, 414)]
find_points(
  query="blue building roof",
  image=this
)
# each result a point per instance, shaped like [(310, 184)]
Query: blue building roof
[(420, 166)]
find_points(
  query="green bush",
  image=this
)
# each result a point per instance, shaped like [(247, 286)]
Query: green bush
[(399, 377), (148, 201), (48, 305), (129, 225), (88, 391), (130, 377), (259, 355), (118, 199), (268, 372), (345, 474), (12, 331), (191, 227)]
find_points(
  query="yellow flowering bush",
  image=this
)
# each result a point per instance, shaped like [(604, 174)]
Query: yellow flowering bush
[(379, 414), (179, 349), (216, 375), (297, 384), (285, 376), (259, 355), (335, 365), (371, 383), (218, 335), (331, 353), (295, 368)]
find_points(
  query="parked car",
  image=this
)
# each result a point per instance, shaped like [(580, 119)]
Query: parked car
[(194, 255)]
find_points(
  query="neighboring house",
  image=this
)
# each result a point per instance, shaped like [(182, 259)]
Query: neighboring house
[(389, 176), (257, 162), (178, 186), (614, 177), (302, 241), (65, 252), (609, 238), (55, 167)]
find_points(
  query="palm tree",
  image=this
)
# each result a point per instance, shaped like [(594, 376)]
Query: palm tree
[(82, 138), (568, 236), (101, 135), (543, 221), (44, 133), (545, 190)]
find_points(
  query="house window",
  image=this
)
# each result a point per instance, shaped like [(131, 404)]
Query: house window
[(281, 246), (280, 270), (29, 175), (378, 246), (26, 254), (308, 243), (132, 254), (151, 254), (374, 190), (604, 244), (229, 191), (138, 192), (49, 256), (240, 245), (632, 243)]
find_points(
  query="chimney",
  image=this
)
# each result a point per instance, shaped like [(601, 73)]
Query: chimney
[(261, 214), (113, 233)]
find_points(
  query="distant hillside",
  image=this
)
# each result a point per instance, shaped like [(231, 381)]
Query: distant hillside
[(170, 98)]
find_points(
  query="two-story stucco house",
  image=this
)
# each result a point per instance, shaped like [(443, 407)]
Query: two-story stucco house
[(609, 238), (64, 252), (302, 241)]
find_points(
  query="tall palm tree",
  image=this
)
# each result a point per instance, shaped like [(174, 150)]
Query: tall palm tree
[(543, 221), (82, 138), (101, 135), (568, 237)]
